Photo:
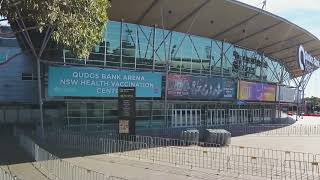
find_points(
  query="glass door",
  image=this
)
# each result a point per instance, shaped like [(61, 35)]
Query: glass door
[(186, 117)]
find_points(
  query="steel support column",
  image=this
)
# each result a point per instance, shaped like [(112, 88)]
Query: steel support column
[(166, 94), (261, 67), (153, 48), (210, 64), (222, 57), (121, 39), (136, 49), (105, 54)]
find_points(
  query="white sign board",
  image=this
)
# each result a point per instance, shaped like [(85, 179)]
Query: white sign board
[(286, 94), (306, 62)]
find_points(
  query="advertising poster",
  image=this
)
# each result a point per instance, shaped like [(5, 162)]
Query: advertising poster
[(286, 94), (124, 126), (96, 82), (202, 88), (253, 91)]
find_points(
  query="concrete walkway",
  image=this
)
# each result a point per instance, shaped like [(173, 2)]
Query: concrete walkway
[(26, 171), (306, 144), (292, 143), (141, 170)]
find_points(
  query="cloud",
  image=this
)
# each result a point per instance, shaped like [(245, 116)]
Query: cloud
[(280, 6)]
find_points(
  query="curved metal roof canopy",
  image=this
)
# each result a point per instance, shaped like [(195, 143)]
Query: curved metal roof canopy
[(225, 20)]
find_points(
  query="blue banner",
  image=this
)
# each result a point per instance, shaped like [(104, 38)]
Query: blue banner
[(96, 82)]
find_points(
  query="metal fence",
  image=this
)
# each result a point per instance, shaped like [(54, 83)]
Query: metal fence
[(274, 164), (5, 175), (235, 130), (57, 168), (273, 130), (282, 130), (243, 129), (92, 128)]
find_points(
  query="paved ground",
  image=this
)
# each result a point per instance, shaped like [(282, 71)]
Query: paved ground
[(293, 143), (307, 144), (132, 168), (307, 120), (25, 171), (141, 170)]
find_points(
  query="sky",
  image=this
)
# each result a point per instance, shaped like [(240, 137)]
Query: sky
[(306, 14)]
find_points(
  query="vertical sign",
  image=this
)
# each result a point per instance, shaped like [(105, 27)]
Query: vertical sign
[(127, 109)]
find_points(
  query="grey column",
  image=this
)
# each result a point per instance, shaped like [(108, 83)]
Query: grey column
[(121, 33)]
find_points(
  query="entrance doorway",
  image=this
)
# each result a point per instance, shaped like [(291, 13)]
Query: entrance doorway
[(239, 116), (216, 117), (193, 115), (256, 115), (267, 115), (186, 117)]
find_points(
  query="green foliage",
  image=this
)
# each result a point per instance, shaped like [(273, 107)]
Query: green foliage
[(313, 101), (78, 24)]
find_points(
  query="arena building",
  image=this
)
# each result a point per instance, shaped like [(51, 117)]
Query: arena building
[(193, 63)]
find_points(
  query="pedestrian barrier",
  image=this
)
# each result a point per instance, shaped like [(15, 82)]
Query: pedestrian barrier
[(234, 129), (242, 129), (277, 130), (260, 162), (57, 168), (4, 175)]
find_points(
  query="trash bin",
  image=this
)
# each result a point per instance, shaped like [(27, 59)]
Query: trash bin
[(190, 136), (220, 137)]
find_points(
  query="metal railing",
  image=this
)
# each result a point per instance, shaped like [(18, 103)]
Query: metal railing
[(56, 168), (235, 130), (242, 129), (260, 162), (275, 130), (5, 175), (92, 128)]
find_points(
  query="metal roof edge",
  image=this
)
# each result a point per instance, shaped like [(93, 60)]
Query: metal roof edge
[(272, 15)]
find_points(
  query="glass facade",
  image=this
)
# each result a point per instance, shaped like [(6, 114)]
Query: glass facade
[(139, 47), (148, 113), (153, 114)]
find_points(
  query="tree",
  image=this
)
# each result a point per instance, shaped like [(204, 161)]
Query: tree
[(314, 103), (78, 25)]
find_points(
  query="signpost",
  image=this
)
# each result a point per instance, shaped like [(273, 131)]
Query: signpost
[(127, 110)]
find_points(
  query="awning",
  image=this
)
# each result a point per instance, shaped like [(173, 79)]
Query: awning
[(225, 20)]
